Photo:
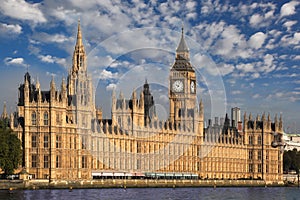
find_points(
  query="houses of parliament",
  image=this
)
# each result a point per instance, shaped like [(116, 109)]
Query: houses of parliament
[(65, 137)]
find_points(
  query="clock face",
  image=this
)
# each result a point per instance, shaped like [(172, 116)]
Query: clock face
[(177, 86), (193, 89)]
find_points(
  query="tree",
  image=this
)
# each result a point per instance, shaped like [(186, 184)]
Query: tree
[(291, 160), (10, 148)]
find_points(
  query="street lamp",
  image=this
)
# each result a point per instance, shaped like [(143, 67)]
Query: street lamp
[(277, 141)]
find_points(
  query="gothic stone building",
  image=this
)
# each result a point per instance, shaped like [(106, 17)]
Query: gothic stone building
[(64, 136)]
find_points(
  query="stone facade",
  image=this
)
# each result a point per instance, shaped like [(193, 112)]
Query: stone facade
[(65, 137)]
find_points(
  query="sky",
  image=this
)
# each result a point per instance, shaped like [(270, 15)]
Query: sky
[(245, 53)]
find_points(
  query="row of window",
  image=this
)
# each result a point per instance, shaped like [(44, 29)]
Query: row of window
[(46, 161), (34, 118), (259, 155), (251, 140), (259, 168), (45, 118), (58, 143)]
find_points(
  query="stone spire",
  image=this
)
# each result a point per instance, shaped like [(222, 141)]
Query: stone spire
[(182, 51), (79, 56), (79, 35), (4, 113)]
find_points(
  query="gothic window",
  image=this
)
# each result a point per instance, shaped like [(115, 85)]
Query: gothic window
[(250, 167), (46, 161), (259, 153), (46, 141), (33, 118), (139, 147), (33, 141), (250, 139), (58, 161), (128, 121), (259, 139), (58, 141), (119, 121), (84, 142), (33, 161), (259, 168), (46, 118), (84, 161), (250, 155), (57, 118)]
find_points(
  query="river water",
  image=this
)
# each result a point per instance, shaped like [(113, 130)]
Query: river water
[(244, 193)]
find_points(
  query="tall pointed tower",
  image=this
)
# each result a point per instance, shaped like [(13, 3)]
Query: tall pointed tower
[(182, 86), (79, 63), (80, 88)]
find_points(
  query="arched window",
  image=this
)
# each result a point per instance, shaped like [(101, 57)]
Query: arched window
[(259, 140), (33, 118), (46, 118), (119, 121), (128, 121)]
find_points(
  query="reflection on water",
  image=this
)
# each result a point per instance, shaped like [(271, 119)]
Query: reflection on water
[(156, 193)]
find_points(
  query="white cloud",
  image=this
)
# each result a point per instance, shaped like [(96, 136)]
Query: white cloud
[(256, 96), (256, 19), (297, 57), (289, 24), (15, 61), (245, 67), (255, 75), (289, 8), (105, 74), (235, 92), (53, 59), (226, 69), (20, 9), (111, 87), (8, 29), (257, 40), (48, 38)]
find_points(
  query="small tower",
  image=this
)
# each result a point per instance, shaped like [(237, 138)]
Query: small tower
[(4, 114)]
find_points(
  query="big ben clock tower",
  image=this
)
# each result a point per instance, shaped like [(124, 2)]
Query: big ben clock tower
[(182, 86)]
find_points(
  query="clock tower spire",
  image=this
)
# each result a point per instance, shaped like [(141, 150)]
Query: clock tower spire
[(182, 87)]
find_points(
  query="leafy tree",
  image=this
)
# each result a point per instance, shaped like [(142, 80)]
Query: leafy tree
[(291, 160), (10, 148)]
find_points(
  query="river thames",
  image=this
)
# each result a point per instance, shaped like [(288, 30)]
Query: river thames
[(250, 193)]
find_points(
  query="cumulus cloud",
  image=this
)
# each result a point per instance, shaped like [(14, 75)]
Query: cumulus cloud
[(48, 38), (8, 29), (289, 24), (15, 61), (22, 10), (111, 87), (53, 59), (257, 40), (105, 74), (256, 19), (289, 8)]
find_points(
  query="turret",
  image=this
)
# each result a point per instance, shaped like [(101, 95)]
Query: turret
[(26, 88), (52, 89), (4, 114), (201, 110), (38, 89)]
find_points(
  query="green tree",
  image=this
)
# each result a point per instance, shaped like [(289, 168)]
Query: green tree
[(291, 160), (10, 148)]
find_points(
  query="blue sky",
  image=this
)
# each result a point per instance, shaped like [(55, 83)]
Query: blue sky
[(246, 54)]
